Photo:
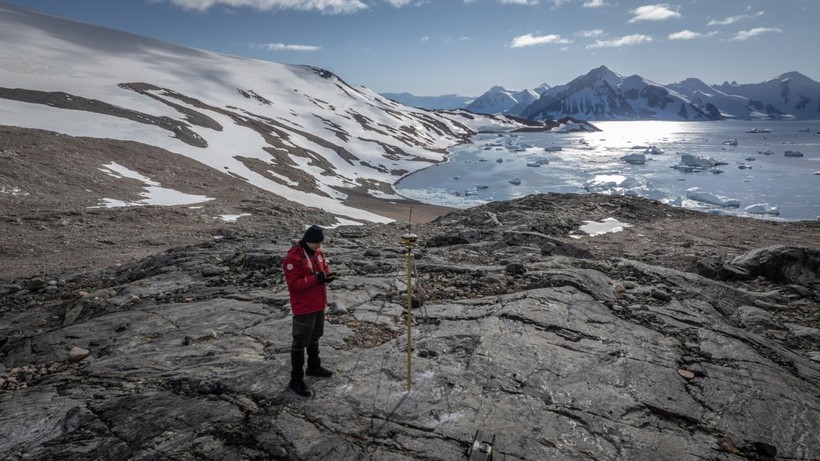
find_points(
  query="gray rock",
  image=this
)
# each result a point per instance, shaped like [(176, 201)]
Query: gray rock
[(781, 263), (551, 361)]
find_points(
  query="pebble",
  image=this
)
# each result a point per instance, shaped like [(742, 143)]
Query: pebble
[(78, 353), (40, 323), (686, 374)]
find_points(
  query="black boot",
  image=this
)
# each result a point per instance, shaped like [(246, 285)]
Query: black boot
[(314, 363), (297, 381)]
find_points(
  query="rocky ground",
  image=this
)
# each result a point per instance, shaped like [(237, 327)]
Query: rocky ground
[(163, 333)]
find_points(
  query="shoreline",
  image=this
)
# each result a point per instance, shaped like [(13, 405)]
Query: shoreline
[(401, 210)]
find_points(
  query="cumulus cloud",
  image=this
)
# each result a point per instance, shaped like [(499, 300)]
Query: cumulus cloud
[(520, 2), (628, 40), (590, 33), (323, 6), (744, 35), (659, 12), (533, 40), (285, 47), (594, 3)]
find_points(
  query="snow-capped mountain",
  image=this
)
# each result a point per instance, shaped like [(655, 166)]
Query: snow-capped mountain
[(298, 132), (452, 101), (499, 100), (788, 96), (602, 94), (443, 102), (715, 102), (495, 101)]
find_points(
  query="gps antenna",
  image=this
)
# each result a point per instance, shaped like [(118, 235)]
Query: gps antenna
[(409, 240)]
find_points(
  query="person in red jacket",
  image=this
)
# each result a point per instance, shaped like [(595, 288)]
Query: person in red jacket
[(307, 276)]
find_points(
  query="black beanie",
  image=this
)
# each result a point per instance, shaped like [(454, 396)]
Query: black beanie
[(314, 234)]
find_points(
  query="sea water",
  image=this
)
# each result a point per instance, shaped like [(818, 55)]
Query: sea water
[(755, 169)]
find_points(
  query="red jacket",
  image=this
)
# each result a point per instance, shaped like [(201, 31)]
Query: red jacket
[(307, 295)]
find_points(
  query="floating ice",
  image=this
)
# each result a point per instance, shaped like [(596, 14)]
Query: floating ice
[(762, 208), (697, 160), (635, 159), (694, 193)]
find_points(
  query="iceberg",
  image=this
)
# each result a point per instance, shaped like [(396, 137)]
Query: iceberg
[(762, 208), (697, 160), (694, 193), (635, 159)]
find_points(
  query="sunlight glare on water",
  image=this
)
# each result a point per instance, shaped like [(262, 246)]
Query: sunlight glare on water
[(753, 168)]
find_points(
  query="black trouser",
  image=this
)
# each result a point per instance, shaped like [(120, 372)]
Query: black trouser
[(307, 329)]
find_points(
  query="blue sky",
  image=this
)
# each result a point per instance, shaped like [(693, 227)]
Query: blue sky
[(467, 46)]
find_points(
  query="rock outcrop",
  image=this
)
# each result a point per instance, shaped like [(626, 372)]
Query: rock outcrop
[(572, 355)]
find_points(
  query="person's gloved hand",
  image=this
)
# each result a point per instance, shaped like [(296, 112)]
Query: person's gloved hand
[(321, 277)]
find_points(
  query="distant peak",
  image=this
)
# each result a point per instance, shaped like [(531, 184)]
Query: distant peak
[(791, 75), (497, 88), (603, 72)]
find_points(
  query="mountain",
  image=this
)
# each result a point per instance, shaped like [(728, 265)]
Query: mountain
[(712, 100), (443, 102), (499, 100), (790, 95), (495, 101), (298, 133), (602, 94)]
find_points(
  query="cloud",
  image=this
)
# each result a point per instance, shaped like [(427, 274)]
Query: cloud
[(685, 35), (531, 40), (727, 21), (594, 4), (323, 6), (520, 2), (634, 39), (744, 35), (658, 12), (590, 33), (733, 19), (284, 47), (399, 3), (426, 38)]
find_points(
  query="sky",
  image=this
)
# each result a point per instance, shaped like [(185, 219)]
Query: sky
[(465, 47)]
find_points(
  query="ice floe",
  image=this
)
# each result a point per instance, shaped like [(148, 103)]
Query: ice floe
[(694, 193), (762, 208)]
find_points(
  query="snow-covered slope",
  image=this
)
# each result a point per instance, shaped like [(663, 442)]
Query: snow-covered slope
[(790, 95), (714, 101), (499, 100), (603, 94), (443, 102), (496, 100), (299, 132)]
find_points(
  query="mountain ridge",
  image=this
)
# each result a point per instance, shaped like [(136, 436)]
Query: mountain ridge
[(699, 100)]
